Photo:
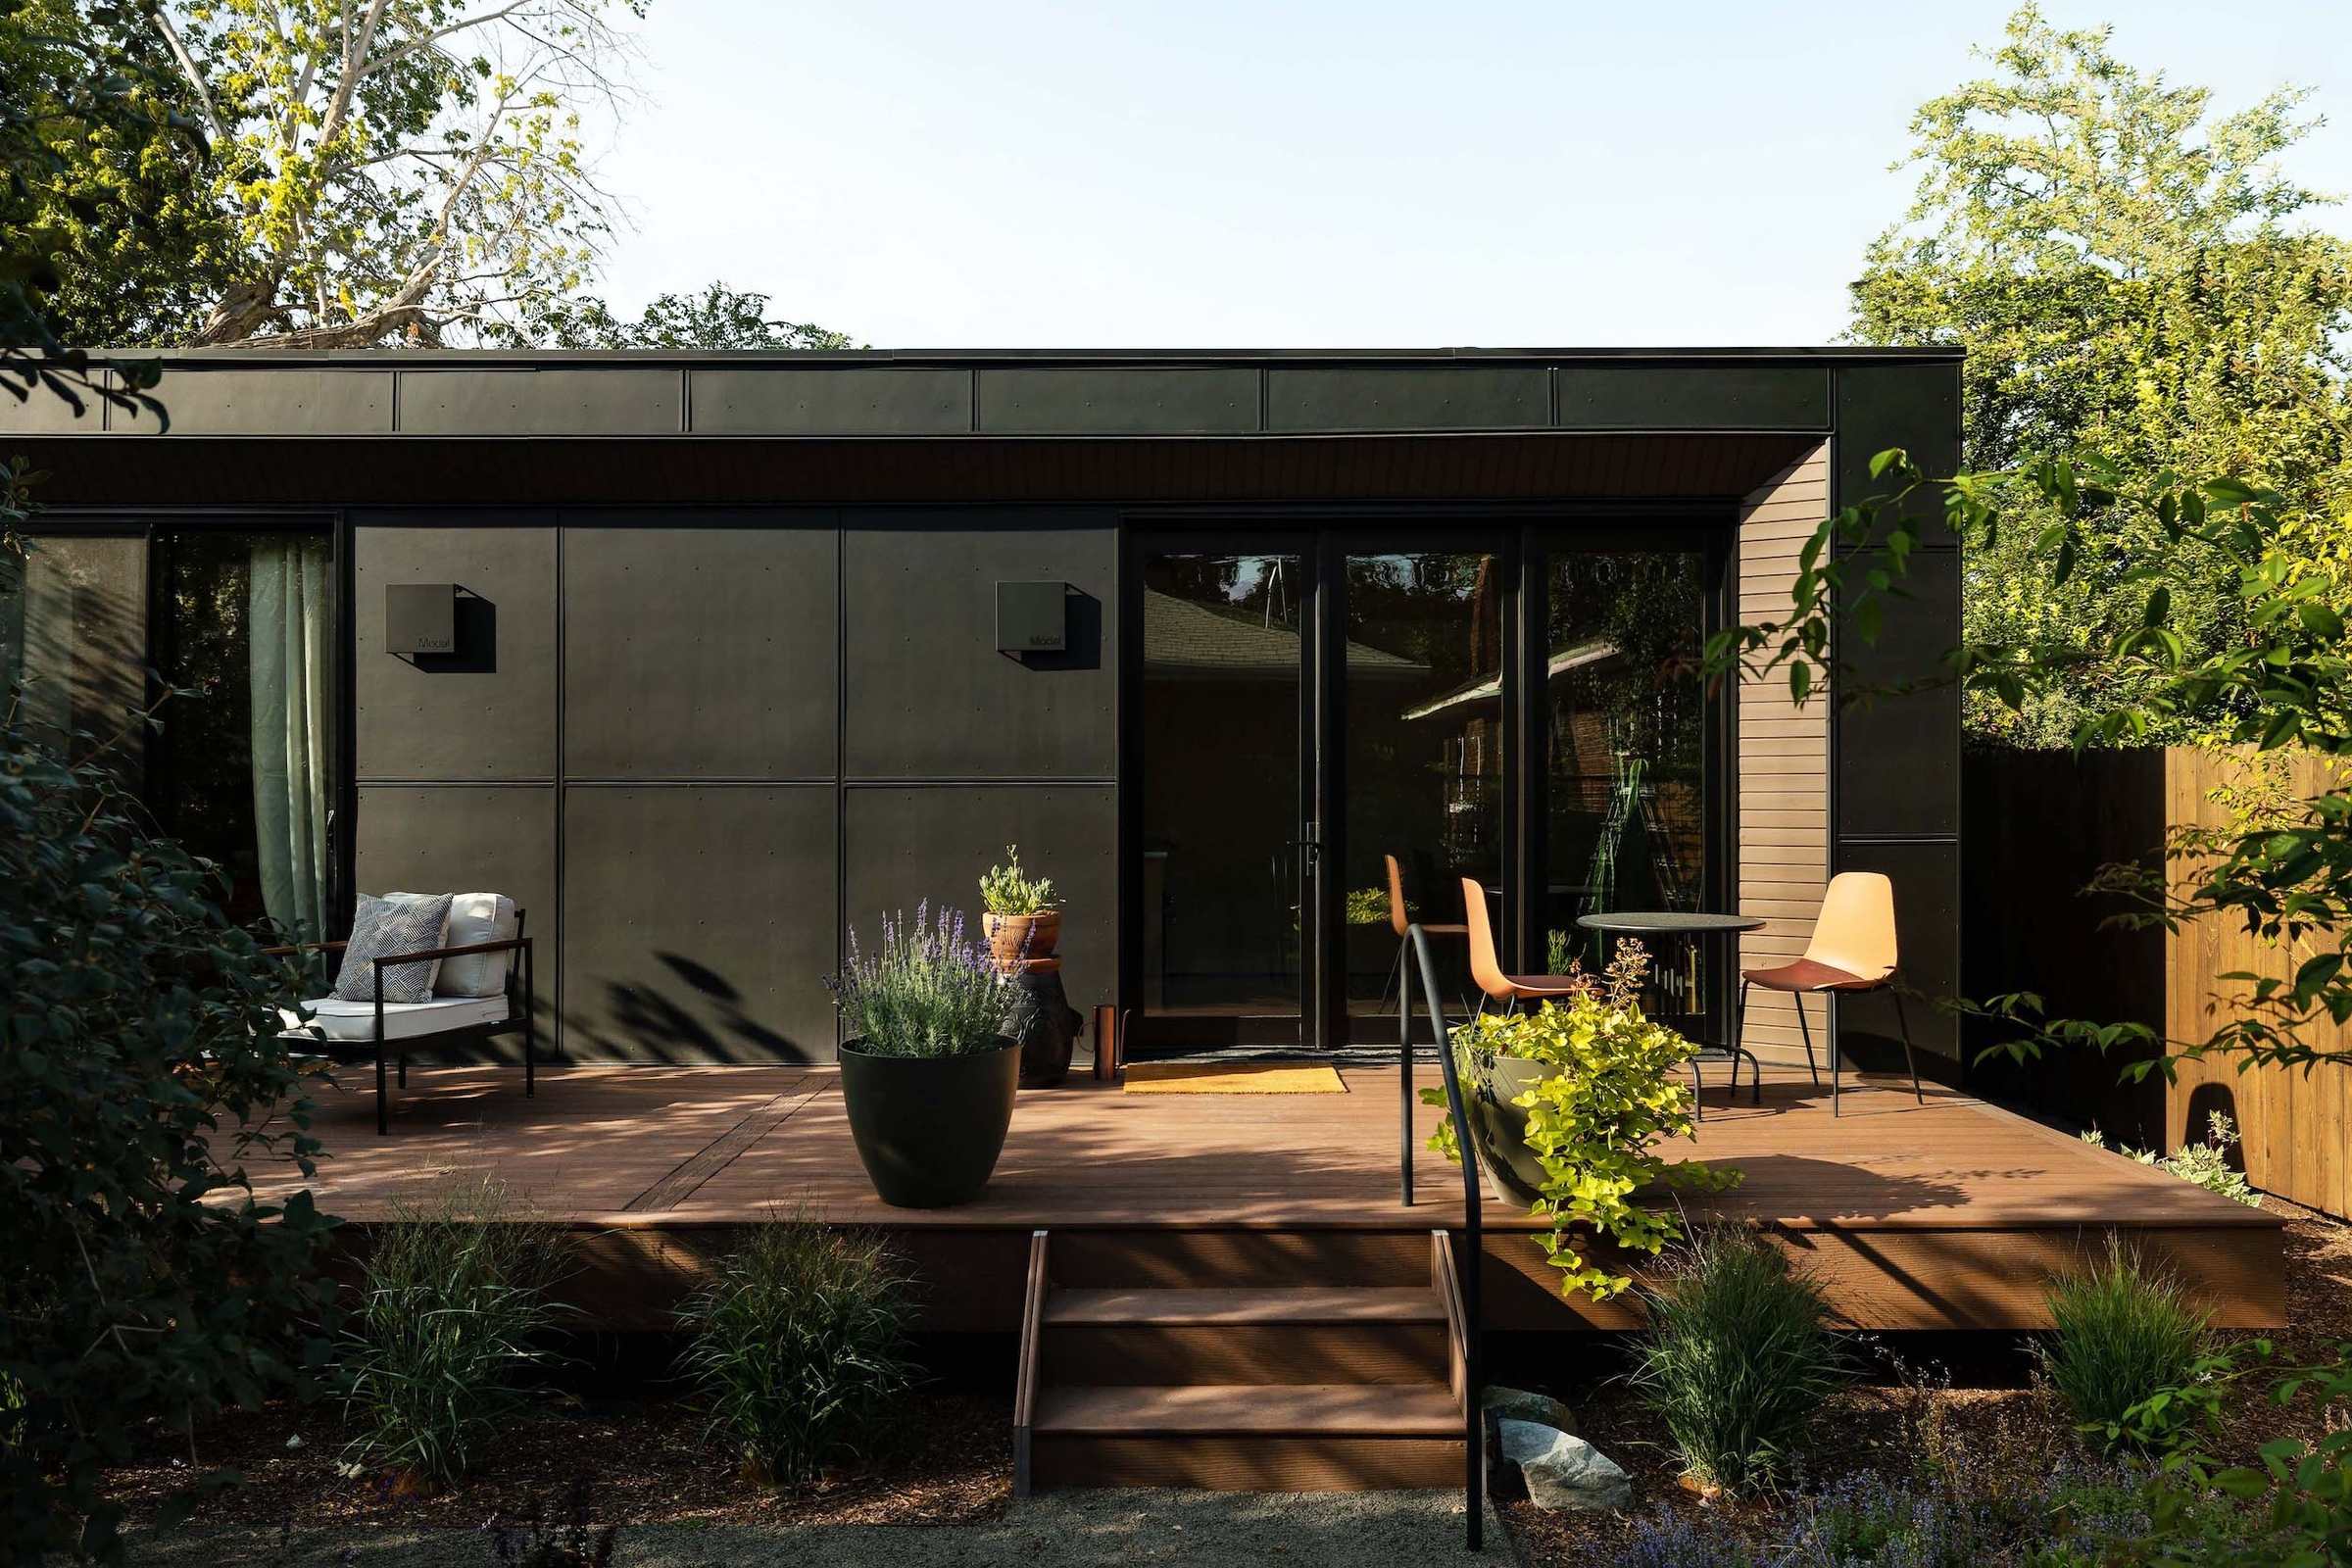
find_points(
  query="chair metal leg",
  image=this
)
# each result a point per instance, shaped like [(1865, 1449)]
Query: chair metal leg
[(1837, 1103), (1698, 1100), (1806, 1030), (1903, 1022), (383, 1121), (404, 1069)]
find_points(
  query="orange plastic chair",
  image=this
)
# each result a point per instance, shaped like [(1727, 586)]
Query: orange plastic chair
[(1853, 950), (1401, 921), (1486, 969)]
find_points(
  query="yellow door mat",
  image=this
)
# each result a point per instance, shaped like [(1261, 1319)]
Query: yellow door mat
[(1233, 1078)]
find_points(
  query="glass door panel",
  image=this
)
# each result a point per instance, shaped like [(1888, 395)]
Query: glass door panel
[(1225, 869), (1627, 711), (1421, 737)]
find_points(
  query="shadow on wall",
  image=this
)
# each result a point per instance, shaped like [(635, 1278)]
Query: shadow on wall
[(698, 1016)]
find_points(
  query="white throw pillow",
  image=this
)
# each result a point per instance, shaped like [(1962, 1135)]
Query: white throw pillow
[(475, 918)]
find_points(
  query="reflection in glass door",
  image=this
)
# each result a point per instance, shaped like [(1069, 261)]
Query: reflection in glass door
[(1225, 871), (1422, 768), (1626, 707)]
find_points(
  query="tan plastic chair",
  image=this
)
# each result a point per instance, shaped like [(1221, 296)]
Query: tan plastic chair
[(1402, 919), (1486, 969), (1853, 950)]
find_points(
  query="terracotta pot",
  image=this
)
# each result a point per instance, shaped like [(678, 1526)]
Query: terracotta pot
[(1016, 938)]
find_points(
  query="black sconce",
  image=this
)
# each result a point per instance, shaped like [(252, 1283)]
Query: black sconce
[(1033, 618)]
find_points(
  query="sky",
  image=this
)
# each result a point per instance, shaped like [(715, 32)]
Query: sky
[(1196, 173)]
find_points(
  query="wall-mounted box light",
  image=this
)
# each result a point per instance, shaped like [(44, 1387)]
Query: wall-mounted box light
[(420, 617), (1032, 618)]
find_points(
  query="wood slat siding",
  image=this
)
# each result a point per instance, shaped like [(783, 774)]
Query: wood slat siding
[(2295, 1125), (1783, 790)]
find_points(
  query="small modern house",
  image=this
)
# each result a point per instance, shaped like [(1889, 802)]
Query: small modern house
[(705, 659)]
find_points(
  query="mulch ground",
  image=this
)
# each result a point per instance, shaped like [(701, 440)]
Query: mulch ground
[(1917, 1412), (635, 1461)]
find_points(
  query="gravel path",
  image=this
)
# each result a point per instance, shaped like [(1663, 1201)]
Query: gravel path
[(1070, 1530)]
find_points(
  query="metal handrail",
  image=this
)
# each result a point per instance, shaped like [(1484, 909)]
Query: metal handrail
[(1473, 1218)]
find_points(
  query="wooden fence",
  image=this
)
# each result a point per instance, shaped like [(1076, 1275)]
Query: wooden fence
[(2036, 826)]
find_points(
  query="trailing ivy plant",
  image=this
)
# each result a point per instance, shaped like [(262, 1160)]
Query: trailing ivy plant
[(1595, 1124), (143, 1071)]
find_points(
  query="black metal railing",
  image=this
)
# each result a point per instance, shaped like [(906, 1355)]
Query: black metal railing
[(1471, 1256)]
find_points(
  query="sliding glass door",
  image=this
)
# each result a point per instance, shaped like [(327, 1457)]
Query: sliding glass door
[(1518, 707)]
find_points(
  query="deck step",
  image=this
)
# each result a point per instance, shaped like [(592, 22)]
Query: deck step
[(1261, 1410), (1194, 1307)]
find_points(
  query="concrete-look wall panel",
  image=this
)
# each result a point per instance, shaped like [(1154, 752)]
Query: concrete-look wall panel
[(609, 401), (253, 401), (701, 650), (486, 710), (1118, 402), (908, 845), (44, 412), (1445, 397), (428, 838), (929, 696), (1641, 397), (1899, 770), (773, 401), (698, 922)]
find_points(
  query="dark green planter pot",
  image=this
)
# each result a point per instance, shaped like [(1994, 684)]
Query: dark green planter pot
[(930, 1128)]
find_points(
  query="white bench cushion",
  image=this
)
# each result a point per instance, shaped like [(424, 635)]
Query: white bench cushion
[(354, 1022)]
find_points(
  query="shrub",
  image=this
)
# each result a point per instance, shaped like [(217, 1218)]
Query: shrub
[(451, 1301), (140, 1059), (2206, 1164), (1595, 1124), (799, 1345), (2120, 1335), (1006, 889), (929, 991), (1737, 1356)]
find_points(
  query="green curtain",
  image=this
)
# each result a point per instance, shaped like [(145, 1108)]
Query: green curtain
[(290, 623)]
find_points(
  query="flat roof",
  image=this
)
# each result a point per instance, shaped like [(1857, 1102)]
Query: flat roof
[(259, 352)]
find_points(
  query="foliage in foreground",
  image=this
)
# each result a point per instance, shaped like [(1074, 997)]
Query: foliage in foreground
[(2203, 1164), (928, 991), (2120, 1334), (1595, 1124), (450, 1305), (798, 1347), (140, 1057), (1738, 1358), (2069, 1518)]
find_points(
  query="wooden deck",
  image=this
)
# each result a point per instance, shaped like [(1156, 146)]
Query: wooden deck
[(1951, 1214)]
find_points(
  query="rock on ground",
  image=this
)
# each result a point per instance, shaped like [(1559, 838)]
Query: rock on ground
[(1561, 1471), (1517, 1405)]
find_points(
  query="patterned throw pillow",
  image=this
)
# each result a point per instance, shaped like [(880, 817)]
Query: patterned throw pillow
[(381, 927)]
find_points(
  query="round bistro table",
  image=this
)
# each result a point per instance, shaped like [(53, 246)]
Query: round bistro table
[(1691, 929)]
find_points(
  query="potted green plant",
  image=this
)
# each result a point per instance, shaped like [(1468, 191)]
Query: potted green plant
[(1020, 920), (927, 1073), (1567, 1105)]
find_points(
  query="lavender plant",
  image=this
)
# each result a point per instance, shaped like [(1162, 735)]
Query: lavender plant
[(928, 991)]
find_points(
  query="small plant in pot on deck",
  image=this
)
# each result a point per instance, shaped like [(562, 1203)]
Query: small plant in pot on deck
[(927, 1072), (1568, 1103), (1020, 920)]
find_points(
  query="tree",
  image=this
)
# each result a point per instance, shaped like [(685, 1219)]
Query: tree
[(2126, 272), (718, 318), (413, 171), (97, 162)]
